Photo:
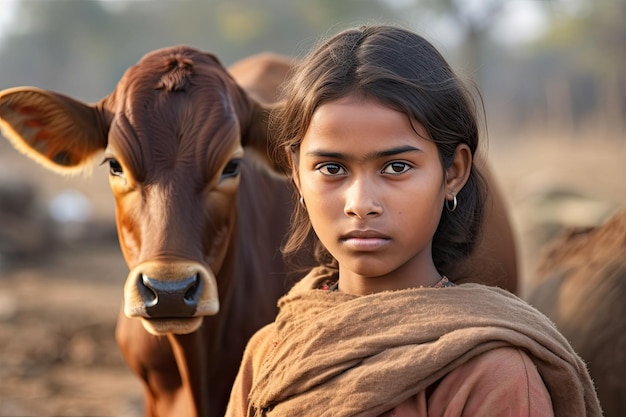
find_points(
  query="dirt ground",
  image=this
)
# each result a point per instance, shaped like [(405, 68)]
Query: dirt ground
[(58, 305)]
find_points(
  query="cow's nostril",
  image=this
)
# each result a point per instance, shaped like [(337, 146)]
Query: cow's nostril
[(166, 298), (191, 295), (148, 294)]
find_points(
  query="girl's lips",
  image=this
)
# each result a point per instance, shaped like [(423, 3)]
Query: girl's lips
[(365, 243), (364, 239)]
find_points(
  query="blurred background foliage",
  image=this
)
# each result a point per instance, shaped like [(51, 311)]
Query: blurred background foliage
[(556, 66)]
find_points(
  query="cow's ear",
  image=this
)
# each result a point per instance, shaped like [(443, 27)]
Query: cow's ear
[(57, 131), (258, 135)]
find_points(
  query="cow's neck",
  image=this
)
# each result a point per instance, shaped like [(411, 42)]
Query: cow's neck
[(191, 360)]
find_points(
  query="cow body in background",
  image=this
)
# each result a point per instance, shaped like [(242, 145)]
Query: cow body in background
[(200, 213), (582, 289)]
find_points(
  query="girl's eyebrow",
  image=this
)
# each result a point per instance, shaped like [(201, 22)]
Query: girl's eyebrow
[(373, 155), (394, 151)]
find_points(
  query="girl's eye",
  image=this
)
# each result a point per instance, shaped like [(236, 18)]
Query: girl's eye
[(396, 168), (331, 169)]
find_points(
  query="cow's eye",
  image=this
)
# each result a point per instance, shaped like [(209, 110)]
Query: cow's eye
[(115, 168), (231, 169)]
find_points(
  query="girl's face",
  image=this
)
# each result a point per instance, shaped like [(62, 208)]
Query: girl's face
[(374, 191)]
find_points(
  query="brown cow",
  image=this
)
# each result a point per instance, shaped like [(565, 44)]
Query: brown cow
[(583, 289), (199, 220)]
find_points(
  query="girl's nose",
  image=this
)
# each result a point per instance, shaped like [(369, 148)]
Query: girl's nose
[(361, 201)]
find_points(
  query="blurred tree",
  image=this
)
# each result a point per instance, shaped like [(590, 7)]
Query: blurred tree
[(573, 77), (575, 73), (55, 43), (589, 50), (470, 21), (82, 47)]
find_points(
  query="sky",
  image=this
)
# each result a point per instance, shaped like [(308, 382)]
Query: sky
[(7, 9), (522, 19)]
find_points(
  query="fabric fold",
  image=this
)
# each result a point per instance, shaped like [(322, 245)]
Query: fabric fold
[(333, 354)]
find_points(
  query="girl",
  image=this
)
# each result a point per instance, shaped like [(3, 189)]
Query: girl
[(380, 137)]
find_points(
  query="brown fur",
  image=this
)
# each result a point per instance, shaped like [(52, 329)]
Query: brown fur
[(582, 288), (494, 261), (170, 128), (168, 131)]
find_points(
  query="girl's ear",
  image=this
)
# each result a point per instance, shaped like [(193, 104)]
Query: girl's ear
[(458, 173)]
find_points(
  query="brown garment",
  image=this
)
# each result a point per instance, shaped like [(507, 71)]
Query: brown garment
[(336, 354), (502, 382)]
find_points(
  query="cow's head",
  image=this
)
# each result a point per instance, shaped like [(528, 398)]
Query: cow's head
[(172, 134)]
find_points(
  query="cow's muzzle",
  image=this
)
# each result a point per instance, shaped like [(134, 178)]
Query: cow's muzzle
[(170, 291), (170, 298)]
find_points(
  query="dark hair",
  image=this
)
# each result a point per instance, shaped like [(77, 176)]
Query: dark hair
[(403, 71)]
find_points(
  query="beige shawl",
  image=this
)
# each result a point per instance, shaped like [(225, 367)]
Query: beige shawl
[(335, 354)]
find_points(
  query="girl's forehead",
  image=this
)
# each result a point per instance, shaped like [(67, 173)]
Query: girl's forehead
[(358, 129), (357, 116)]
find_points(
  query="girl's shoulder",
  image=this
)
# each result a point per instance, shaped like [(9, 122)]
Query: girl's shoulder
[(257, 348), (261, 341), (502, 382)]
